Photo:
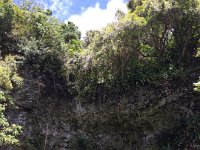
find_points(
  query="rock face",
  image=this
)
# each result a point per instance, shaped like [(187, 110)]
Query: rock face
[(136, 121)]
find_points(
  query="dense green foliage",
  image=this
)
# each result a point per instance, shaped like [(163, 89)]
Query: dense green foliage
[(9, 79), (197, 86), (156, 42)]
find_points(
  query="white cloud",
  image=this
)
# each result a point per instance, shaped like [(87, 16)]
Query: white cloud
[(60, 8), (95, 18)]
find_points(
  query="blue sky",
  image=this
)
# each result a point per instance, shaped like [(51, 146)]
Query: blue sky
[(86, 14)]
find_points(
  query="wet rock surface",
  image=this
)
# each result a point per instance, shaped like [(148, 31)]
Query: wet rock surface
[(59, 125)]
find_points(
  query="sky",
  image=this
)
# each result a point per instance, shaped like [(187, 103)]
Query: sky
[(86, 14)]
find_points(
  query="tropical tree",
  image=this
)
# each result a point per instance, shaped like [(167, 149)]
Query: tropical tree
[(6, 19)]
